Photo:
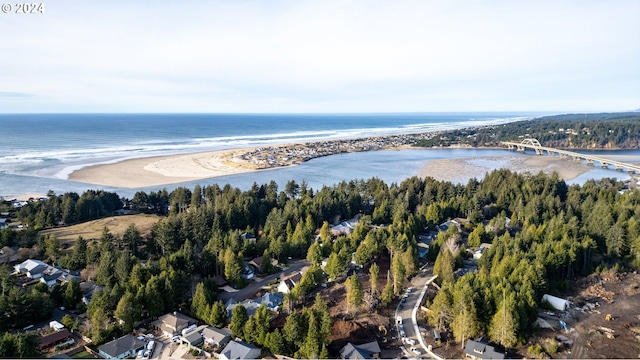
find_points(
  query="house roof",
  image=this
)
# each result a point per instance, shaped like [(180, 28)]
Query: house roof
[(30, 265), (176, 320), (272, 300), (51, 339), (217, 335), (122, 345), (239, 350), (482, 350), (291, 281), (257, 261), (363, 351), (193, 337)]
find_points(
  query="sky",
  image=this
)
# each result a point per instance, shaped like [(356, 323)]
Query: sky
[(329, 56)]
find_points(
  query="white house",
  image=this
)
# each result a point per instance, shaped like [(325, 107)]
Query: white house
[(33, 268), (239, 350), (289, 283)]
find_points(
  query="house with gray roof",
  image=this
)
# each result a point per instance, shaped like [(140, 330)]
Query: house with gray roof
[(370, 350), (273, 301), (481, 350), (173, 323), (121, 348), (216, 337), (239, 350)]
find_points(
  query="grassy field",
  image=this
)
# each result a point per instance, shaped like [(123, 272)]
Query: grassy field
[(82, 355), (93, 229)]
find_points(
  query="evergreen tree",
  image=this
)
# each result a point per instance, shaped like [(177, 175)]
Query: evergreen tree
[(199, 302), (504, 324), (275, 342), (218, 315), (125, 311), (72, 294), (387, 293), (374, 272), (239, 318), (355, 294)]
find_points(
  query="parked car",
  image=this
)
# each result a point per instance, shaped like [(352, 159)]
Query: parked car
[(416, 351), (175, 338)]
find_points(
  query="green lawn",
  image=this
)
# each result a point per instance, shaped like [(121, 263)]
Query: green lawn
[(84, 354)]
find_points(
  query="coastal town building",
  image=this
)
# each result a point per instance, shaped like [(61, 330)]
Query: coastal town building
[(48, 274), (370, 350), (216, 337), (239, 350), (57, 338), (475, 350), (173, 323), (121, 348), (286, 285)]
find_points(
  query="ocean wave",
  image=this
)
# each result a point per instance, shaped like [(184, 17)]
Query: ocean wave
[(68, 156)]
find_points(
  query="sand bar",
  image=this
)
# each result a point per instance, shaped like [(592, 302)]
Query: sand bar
[(462, 169), (162, 170)]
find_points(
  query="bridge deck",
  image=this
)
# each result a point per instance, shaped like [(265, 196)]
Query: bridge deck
[(552, 151)]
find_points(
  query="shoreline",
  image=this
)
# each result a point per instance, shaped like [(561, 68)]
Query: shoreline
[(178, 168)]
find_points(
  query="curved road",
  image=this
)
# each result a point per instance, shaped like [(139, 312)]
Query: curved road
[(408, 310)]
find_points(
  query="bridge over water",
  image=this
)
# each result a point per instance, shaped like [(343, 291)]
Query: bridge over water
[(534, 144)]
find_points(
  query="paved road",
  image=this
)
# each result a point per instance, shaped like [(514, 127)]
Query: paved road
[(253, 287), (407, 307)]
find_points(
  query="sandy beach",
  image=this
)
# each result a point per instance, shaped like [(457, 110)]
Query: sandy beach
[(459, 170), (172, 169), (163, 170)]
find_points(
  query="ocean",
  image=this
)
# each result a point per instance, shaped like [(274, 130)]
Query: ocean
[(38, 151)]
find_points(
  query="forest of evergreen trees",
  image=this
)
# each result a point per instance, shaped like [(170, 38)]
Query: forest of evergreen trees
[(543, 234), (572, 131)]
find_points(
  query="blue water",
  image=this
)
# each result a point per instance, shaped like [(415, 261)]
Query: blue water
[(38, 151)]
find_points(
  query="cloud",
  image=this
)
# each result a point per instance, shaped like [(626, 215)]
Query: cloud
[(325, 56)]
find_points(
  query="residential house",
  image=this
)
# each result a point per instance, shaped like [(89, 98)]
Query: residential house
[(33, 268), (54, 339), (55, 275), (216, 337), (239, 350), (481, 350), (4, 223), (193, 338), (477, 254), (286, 285), (370, 350), (250, 305), (257, 264), (173, 323), (88, 289), (345, 227), (249, 237), (122, 347), (50, 275), (247, 271), (273, 301)]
